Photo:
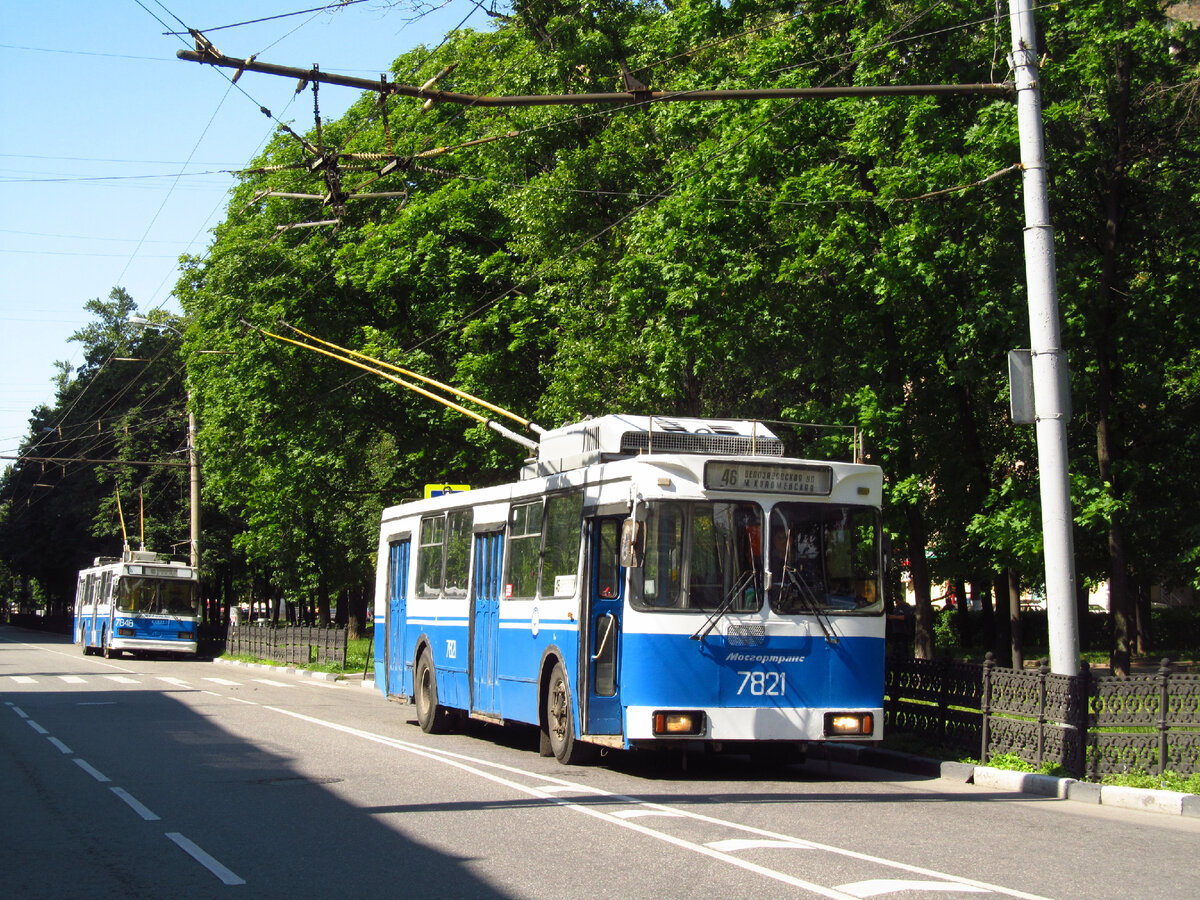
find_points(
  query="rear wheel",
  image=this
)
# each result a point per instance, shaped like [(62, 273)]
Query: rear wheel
[(558, 732), (432, 718)]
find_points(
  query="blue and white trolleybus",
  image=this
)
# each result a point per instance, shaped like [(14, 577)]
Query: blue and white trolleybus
[(647, 582), (141, 602)]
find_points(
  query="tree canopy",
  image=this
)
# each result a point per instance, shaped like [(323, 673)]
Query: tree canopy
[(850, 261)]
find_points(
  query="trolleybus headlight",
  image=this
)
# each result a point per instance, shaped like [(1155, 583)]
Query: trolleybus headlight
[(125, 632), (847, 723), (673, 722)]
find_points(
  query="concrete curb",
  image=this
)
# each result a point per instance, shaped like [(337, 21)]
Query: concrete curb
[(1142, 799), (282, 670)]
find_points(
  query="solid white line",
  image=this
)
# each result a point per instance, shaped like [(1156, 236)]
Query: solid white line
[(63, 748), (204, 859), (639, 813), (475, 766), (91, 770), (36, 727), (732, 846), (134, 804), (878, 886)]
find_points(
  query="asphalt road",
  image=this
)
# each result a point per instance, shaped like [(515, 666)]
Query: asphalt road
[(179, 778)]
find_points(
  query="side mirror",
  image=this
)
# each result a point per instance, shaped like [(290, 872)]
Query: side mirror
[(633, 543)]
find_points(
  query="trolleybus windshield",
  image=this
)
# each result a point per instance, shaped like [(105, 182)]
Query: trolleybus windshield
[(824, 558), (701, 556), (156, 596)]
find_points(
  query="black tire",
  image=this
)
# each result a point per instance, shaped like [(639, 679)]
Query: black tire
[(109, 652), (87, 651), (558, 731), (432, 718)]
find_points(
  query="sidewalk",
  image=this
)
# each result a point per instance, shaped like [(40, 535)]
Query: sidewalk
[(1143, 799)]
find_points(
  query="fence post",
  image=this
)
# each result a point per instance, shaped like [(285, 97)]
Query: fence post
[(1164, 722), (1043, 672), (989, 663), (1083, 702)]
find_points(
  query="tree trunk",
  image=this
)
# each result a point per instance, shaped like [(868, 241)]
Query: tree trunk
[(1107, 369), (1014, 619), (918, 567)]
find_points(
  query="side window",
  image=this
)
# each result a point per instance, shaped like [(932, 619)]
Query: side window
[(564, 527), (429, 556), (458, 551), (524, 546)]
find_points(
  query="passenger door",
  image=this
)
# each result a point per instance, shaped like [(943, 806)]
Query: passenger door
[(399, 681), (485, 620), (605, 601)]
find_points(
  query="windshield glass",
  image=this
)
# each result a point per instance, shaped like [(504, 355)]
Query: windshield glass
[(157, 595), (824, 558), (699, 555)]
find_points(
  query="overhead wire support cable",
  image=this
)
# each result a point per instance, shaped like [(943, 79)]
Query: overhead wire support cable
[(450, 404), (212, 58)]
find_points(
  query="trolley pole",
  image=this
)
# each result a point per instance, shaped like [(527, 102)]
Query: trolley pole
[(1051, 381), (194, 470)]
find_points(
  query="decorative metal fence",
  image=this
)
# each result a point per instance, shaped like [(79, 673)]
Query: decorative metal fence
[(290, 644), (1090, 725)]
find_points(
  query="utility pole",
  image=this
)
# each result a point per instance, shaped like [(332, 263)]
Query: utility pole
[(1051, 381)]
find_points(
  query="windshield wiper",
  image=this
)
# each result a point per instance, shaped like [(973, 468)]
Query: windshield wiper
[(744, 580), (803, 589)]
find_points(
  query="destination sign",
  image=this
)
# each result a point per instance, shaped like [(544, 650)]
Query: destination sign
[(769, 478)]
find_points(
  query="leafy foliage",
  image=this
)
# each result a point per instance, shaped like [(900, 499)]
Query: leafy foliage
[(852, 262)]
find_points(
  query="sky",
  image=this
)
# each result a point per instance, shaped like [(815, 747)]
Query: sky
[(115, 156)]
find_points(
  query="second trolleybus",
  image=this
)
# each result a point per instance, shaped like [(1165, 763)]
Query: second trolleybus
[(140, 603), (647, 582)]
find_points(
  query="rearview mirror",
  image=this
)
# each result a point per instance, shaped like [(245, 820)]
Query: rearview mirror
[(633, 543)]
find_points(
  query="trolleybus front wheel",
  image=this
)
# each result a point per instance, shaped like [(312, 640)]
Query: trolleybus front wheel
[(558, 733)]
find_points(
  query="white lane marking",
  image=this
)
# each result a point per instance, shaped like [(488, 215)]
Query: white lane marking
[(639, 813), (204, 859), (122, 679), (475, 766), (91, 770), (20, 712), (469, 764), (273, 683), (35, 726), (74, 655), (23, 679), (62, 748), (736, 844), (880, 886), (72, 679), (224, 681), (135, 804), (175, 682)]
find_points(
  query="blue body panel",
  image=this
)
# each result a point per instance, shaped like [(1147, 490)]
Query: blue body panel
[(672, 670)]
